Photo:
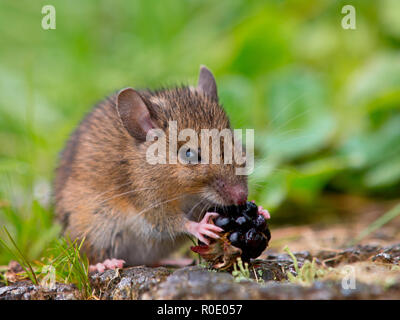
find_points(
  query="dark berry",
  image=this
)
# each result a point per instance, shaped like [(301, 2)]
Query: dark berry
[(244, 228), (250, 210), (234, 211), (242, 222), (231, 211), (256, 252), (267, 233), (260, 223), (236, 239), (225, 223), (253, 238)]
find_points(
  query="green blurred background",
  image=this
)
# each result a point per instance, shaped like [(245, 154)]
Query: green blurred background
[(324, 101)]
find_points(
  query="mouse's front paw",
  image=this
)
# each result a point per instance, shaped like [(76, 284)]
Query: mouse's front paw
[(263, 212), (107, 264), (203, 228)]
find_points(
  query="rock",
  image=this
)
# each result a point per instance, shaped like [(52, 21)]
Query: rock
[(349, 255), (268, 280), (200, 283), (25, 290), (390, 254), (127, 284)]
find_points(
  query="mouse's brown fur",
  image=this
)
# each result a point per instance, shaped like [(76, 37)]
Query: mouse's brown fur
[(126, 208)]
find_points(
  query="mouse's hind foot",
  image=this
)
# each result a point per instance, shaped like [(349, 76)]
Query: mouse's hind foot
[(107, 264)]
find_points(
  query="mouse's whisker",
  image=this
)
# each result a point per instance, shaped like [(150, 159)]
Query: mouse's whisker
[(256, 186), (203, 204), (195, 206), (93, 200), (263, 163), (124, 193), (158, 204), (285, 107), (283, 125), (113, 189)]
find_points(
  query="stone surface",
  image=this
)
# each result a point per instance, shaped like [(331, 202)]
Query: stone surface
[(129, 283), (25, 290), (267, 280)]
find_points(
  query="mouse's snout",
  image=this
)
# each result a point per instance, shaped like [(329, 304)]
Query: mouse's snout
[(233, 193), (238, 194)]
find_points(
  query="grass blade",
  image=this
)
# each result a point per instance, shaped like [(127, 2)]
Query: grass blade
[(20, 257), (378, 223)]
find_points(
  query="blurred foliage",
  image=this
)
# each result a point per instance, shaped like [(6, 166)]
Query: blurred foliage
[(324, 101)]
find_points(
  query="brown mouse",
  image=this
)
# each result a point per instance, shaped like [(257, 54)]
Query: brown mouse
[(127, 209)]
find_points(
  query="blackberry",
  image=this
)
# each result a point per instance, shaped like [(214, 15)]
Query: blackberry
[(250, 210), (225, 223), (241, 222), (245, 228), (260, 223), (245, 235), (236, 238)]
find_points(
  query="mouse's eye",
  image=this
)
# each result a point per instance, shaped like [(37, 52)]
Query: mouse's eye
[(190, 156)]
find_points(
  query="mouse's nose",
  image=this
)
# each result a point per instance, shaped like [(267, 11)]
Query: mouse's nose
[(234, 193), (238, 194)]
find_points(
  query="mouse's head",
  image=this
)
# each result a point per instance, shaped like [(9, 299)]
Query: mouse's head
[(184, 161)]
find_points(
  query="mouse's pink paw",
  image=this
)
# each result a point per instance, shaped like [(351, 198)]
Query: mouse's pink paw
[(263, 211), (107, 264), (204, 228)]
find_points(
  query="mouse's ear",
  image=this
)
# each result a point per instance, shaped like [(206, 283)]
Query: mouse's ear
[(207, 83), (134, 113)]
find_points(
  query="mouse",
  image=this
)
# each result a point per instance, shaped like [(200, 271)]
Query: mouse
[(128, 211)]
